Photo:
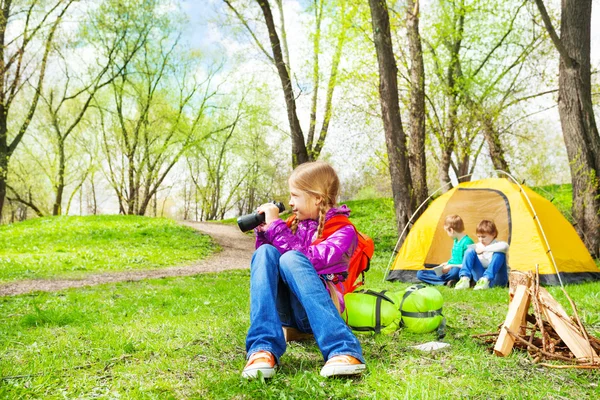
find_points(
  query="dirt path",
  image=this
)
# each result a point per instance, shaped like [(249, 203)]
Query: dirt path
[(236, 253)]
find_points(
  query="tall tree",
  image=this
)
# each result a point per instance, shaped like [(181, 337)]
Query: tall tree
[(395, 138), (154, 109), (342, 12), (446, 121), (67, 105), (575, 108), (480, 53), (416, 149), (299, 151), (20, 65)]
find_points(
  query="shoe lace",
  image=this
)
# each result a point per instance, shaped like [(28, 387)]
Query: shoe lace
[(346, 359), (268, 357)]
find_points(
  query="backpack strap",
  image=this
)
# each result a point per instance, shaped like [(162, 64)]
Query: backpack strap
[(290, 220), (380, 296), (332, 225), (441, 330)]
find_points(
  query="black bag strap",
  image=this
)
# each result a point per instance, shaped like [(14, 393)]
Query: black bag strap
[(441, 330), (380, 296), (409, 292)]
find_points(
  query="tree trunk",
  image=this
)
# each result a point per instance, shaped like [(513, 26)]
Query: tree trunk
[(416, 149), (60, 185), (447, 143), (132, 195), (577, 115), (299, 152), (445, 161), (577, 120), (3, 166), (395, 138), (492, 139)]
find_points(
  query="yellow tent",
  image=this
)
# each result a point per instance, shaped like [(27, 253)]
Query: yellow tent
[(514, 208)]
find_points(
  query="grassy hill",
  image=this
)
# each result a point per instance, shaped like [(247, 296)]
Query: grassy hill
[(74, 246)]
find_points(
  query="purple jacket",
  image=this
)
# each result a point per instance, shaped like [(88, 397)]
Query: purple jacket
[(331, 256)]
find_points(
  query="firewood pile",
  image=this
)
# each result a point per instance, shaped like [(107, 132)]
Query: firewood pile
[(537, 323)]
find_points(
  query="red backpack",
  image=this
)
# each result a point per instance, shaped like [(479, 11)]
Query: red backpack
[(360, 259)]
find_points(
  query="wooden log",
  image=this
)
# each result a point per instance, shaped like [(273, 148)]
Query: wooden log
[(581, 327), (568, 332), (516, 278), (570, 366), (517, 311), (540, 351)]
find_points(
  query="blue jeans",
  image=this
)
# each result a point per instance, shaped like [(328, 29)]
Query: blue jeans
[(496, 272), (285, 290), (429, 276)]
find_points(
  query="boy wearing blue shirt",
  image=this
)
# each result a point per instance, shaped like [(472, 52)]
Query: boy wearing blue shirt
[(455, 228)]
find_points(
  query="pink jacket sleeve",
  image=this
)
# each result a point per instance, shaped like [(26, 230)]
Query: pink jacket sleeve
[(260, 238), (330, 256)]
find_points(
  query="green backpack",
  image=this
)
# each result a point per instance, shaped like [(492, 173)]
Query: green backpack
[(421, 309), (370, 311)]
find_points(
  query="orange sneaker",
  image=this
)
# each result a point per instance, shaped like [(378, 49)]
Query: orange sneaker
[(342, 365), (261, 362)]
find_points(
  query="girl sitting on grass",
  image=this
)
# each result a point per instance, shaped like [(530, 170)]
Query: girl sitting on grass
[(289, 274)]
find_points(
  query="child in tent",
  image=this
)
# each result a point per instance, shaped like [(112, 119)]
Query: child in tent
[(455, 228), (486, 262), (291, 278)]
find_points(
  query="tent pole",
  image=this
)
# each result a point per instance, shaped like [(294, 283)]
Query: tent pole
[(410, 220), (535, 217)]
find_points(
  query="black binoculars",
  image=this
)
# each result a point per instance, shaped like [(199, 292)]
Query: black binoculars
[(250, 221)]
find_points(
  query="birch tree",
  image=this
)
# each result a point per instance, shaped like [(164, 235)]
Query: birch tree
[(340, 14), (27, 35)]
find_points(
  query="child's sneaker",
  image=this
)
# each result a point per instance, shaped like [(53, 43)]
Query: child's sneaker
[(260, 362), (342, 365), (482, 283), (464, 283)]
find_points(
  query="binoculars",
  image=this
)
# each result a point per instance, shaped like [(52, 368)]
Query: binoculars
[(250, 221)]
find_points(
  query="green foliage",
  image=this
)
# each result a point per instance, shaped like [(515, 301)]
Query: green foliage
[(74, 246), (560, 195)]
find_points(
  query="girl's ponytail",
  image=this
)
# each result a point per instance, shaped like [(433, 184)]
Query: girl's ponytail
[(294, 226), (322, 212)]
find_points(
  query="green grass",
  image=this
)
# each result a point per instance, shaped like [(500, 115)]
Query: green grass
[(560, 195), (75, 246), (180, 338), (184, 338)]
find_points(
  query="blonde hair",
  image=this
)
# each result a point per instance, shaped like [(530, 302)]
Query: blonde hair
[(488, 227), (455, 222), (318, 179)]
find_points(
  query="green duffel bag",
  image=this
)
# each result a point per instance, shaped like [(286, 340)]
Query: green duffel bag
[(371, 311), (421, 308)]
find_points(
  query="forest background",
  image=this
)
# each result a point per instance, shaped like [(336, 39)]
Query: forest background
[(181, 108)]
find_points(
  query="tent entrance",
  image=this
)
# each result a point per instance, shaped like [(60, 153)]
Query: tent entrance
[(473, 205)]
